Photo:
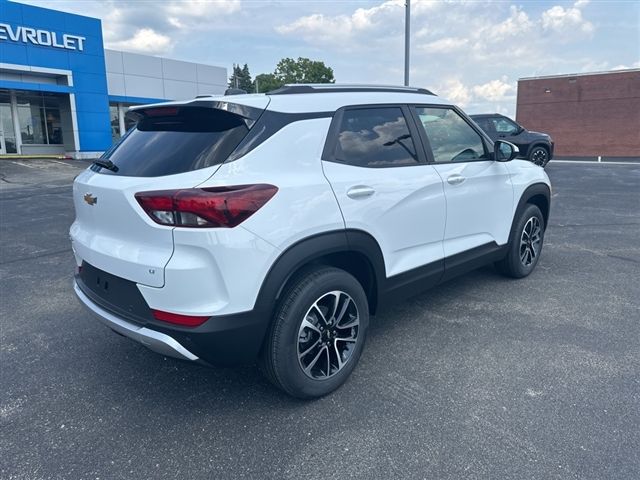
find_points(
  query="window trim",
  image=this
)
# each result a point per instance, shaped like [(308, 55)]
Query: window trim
[(486, 140), (328, 152)]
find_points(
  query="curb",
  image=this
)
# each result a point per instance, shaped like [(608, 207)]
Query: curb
[(35, 157)]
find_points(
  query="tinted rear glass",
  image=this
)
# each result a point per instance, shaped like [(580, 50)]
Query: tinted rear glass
[(375, 137), (167, 141)]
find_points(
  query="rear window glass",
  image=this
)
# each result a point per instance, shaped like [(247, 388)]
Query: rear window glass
[(170, 140)]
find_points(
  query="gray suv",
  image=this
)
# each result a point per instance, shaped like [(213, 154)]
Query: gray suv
[(534, 146)]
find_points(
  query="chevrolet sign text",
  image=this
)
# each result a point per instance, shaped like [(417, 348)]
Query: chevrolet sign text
[(44, 38)]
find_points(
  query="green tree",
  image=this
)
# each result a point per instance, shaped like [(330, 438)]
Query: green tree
[(303, 70), (241, 78), (265, 82)]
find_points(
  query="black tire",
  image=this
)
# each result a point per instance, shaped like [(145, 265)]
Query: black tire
[(280, 355), (539, 155), (523, 252)]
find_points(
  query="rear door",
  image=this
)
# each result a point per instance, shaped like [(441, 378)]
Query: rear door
[(478, 190), (172, 147), (384, 185)]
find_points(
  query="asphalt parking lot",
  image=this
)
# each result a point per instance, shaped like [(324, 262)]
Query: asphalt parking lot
[(482, 377)]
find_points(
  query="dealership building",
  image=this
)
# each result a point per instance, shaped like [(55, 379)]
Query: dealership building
[(61, 91)]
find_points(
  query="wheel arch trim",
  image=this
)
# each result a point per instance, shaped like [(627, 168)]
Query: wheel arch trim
[(531, 192), (539, 143), (313, 248)]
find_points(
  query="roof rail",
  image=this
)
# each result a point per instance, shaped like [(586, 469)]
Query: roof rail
[(340, 88)]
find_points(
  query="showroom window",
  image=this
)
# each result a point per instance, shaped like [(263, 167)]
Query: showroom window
[(7, 132), (121, 123), (39, 118), (115, 122)]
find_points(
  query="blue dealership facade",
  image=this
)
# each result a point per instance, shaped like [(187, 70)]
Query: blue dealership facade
[(61, 91)]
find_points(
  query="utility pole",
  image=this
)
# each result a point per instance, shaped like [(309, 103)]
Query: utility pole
[(407, 37)]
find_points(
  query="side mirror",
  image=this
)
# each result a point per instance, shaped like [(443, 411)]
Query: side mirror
[(504, 151)]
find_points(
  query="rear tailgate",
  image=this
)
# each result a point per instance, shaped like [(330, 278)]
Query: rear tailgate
[(113, 233), (174, 146)]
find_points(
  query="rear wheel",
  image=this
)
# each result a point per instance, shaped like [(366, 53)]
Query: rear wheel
[(539, 155), (317, 334), (525, 244)]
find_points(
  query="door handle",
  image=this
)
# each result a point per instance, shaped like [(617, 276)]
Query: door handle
[(456, 179), (360, 191)]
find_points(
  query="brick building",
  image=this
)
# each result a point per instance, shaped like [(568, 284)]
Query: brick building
[(587, 115)]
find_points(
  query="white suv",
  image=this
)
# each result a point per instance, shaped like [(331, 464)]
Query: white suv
[(229, 229)]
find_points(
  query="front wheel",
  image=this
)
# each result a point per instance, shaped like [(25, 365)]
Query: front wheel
[(525, 244), (539, 156), (317, 334)]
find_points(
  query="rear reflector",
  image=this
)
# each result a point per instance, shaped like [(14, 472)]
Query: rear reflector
[(217, 207), (176, 319)]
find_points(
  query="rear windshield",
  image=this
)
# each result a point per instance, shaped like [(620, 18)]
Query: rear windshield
[(171, 140)]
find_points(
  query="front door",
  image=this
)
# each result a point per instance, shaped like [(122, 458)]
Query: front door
[(478, 190), (385, 187)]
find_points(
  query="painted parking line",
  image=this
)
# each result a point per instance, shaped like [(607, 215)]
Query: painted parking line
[(62, 163), (594, 162), (24, 165)]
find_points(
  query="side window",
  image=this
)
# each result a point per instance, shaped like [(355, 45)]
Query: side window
[(483, 123), (504, 126), (452, 139), (375, 137)]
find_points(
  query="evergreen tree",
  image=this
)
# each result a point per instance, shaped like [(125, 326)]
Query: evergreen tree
[(241, 78)]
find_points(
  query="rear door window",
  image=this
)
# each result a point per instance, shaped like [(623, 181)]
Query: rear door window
[(375, 137), (484, 124), (171, 140)]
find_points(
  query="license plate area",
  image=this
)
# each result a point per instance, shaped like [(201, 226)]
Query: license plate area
[(118, 295)]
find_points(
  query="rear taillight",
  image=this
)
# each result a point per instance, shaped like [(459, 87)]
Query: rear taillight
[(220, 207), (177, 319)]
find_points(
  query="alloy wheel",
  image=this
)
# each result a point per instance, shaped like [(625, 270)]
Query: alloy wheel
[(530, 241), (539, 156), (328, 335)]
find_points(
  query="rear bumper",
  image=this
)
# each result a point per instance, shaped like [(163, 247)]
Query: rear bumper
[(156, 341), (223, 340)]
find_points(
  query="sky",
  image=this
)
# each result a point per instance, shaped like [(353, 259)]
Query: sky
[(472, 52)]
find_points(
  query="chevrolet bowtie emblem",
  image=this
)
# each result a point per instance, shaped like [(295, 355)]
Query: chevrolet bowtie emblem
[(90, 199)]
